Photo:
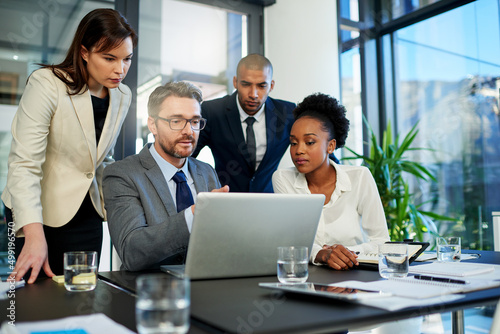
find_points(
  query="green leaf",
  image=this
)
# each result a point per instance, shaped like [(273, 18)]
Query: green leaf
[(388, 162), (439, 217)]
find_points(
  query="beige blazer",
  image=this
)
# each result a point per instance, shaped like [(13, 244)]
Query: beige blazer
[(53, 161)]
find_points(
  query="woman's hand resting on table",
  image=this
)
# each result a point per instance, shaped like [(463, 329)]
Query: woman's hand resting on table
[(337, 257), (34, 254)]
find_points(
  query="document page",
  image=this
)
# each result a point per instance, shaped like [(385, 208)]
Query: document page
[(453, 269), (410, 287), (83, 324), (404, 287)]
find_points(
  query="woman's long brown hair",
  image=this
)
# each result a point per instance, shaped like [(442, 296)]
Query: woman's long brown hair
[(100, 30)]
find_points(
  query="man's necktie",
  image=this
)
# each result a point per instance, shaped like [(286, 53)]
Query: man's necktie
[(183, 196), (252, 151)]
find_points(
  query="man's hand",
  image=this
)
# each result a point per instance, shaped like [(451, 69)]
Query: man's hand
[(224, 189), (34, 254), (337, 257)]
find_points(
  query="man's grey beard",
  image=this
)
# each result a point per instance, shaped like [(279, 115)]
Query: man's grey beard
[(174, 153)]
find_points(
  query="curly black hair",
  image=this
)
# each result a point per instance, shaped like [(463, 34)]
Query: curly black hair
[(329, 112)]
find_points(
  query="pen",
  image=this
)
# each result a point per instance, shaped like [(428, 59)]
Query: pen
[(439, 279)]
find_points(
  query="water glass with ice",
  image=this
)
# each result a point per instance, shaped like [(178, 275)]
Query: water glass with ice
[(80, 271), (162, 304), (292, 264), (449, 249), (393, 260)]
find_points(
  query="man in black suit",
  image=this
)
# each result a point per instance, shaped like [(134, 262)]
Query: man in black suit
[(248, 132)]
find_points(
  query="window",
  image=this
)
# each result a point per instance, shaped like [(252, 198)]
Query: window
[(184, 40), (434, 63), (394, 9), (351, 97), (349, 10), (447, 78)]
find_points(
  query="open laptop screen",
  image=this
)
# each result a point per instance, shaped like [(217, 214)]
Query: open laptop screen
[(237, 234)]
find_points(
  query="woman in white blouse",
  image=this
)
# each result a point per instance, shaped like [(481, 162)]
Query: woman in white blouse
[(353, 218)]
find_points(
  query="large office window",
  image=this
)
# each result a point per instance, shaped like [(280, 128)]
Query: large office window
[(434, 63), (447, 78)]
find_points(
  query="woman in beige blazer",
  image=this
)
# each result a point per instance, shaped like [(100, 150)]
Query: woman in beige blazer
[(63, 134)]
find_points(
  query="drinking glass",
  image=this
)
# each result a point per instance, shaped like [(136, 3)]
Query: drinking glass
[(80, 271), (449, 249), (162, 304), (393, 260), (292, 264)]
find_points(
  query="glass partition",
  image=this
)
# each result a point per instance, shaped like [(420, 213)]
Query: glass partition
[(182, 40)]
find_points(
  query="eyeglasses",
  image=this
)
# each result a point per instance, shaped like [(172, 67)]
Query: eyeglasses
[(178, 124)]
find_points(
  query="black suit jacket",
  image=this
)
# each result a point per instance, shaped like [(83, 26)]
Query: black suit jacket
[(224, 135)]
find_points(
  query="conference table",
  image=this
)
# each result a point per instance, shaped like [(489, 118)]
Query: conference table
[(239, 305)]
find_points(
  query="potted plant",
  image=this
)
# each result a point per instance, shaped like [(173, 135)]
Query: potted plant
[(388, 163)]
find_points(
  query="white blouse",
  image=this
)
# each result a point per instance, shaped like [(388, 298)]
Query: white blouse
[(354, 216)]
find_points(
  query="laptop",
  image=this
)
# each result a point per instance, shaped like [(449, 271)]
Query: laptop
[(237, 234)]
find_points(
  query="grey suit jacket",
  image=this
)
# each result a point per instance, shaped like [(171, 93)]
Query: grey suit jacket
[(144, 225)]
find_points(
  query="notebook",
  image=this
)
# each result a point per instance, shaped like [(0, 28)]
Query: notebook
[(370, 260), (409, 287), (237, 234), (455, 269)]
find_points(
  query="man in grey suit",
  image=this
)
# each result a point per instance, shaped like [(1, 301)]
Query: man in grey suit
[(149, 197)]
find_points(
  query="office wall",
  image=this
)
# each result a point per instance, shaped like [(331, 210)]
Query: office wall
[(300, 39)]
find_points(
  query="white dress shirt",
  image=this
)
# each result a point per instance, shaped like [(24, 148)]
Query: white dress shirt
[(259, 128), (169, 171), (354, 216)]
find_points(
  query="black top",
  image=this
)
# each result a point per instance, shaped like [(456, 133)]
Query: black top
[(100, 111)]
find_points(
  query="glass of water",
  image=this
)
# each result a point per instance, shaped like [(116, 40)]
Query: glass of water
[(449, 249), (292, 264), (80, 271), (393, 260), (162, 304)]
